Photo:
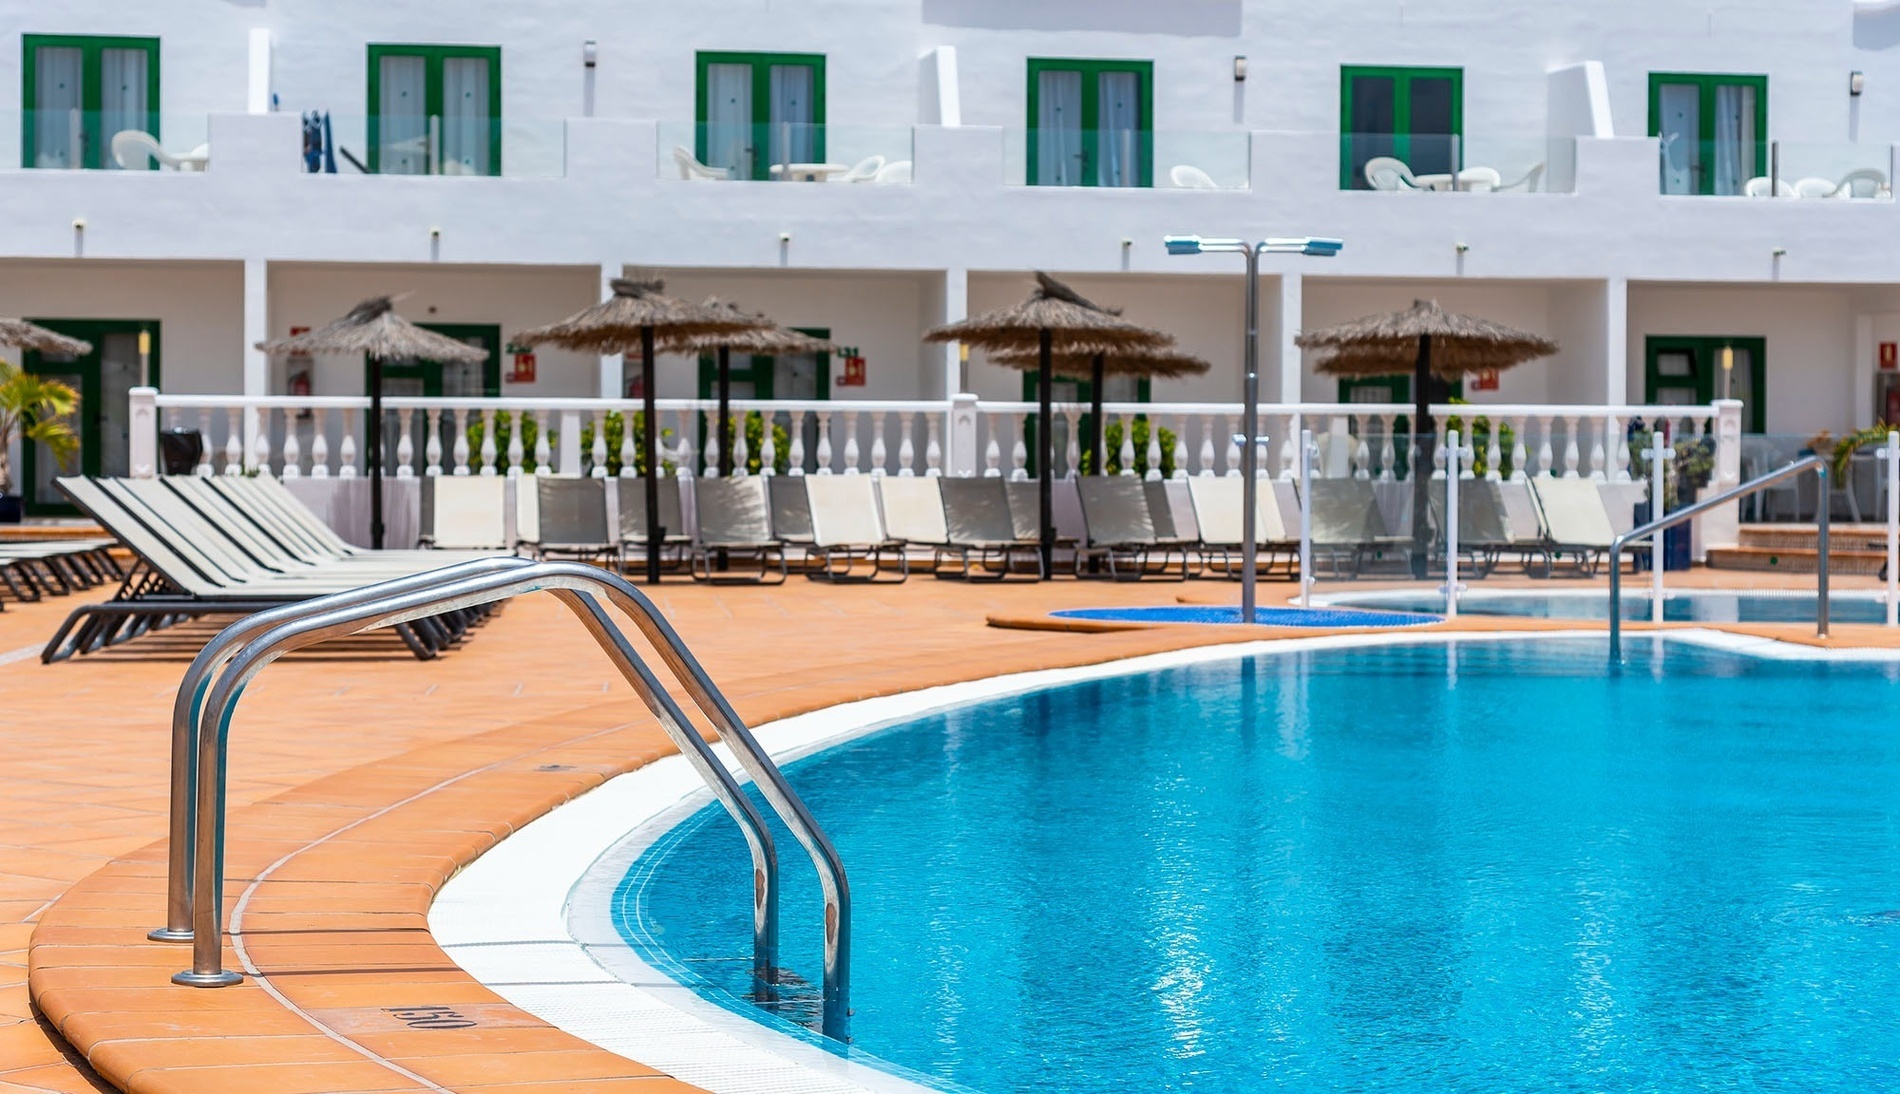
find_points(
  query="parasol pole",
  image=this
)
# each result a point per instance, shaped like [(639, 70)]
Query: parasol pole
[(376, 452), (725, 412), (650, 450), (1096, 449), (1422, 436), (1045, 453)]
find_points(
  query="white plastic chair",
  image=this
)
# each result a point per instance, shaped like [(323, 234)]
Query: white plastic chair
[(1188, 177), (1864, 184), (895, 173), (133, 148), (691, 168), (1815, 188), (1757, 187), (865, 170), (1528, 182), (1386, 173)]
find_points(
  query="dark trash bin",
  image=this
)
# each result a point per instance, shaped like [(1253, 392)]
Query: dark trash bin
[(179, 450), (1677, 542)]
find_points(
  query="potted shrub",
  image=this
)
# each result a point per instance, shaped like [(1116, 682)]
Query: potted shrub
[(36, 410)]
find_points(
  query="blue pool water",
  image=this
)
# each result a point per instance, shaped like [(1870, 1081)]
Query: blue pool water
[(1697, 607), (1487, 866), (1272, 617)]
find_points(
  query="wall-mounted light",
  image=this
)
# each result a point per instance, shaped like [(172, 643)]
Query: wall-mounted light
[(1779, 252), (79, 224), (785, 237), (1461, 248), (1240, 68), (590, 52), (1856, 82), (435, 233)]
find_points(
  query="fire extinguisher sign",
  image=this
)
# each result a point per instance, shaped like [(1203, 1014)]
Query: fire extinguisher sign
[(853, 375)]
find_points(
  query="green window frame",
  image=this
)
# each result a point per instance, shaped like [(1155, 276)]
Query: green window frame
[(432, 57), (1707, 85), (761, 65), (1403, 143), (487, 335), (1083, 394), (97, 145), (1705, 352), (1091, 72)]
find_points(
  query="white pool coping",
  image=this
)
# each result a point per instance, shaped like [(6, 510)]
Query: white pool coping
[(531, 918)]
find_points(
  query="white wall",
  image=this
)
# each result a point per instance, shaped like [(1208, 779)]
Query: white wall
[(1810, 344), (199, 306), (881, 314), (310, 296)]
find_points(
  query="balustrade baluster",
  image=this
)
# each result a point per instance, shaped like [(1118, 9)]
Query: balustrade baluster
[(711, 449), (1619, 450), (405, 445), (1125, 458), (795, 445), (1153, 455), (233, 443), (460, 447), (432, 448), (850, 427), (1289, 451), (992, 451), (1388, 448), (682, 456), (1599, 432), (1546, 459), (543, 448), (933, 446), (1209, 427), (1019, 452), (1072, 452), (260, 440), (1494, 451), (1180, 448), (204, 470), (880, 453), (1438, 447), (597, 451), (488, 450), (824, 442), (517, 446), (1570, 446), (741, 449), (319, 444), (906, 451), (768, 444), (346, 447), (1362, 448), (293, 448)]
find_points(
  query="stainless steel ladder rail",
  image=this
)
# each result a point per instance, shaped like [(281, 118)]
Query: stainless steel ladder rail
[(325, 618), (1816, 464)]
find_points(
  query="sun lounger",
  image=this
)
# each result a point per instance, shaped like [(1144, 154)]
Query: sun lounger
[(981, 532), (632, 496), (465, 512), (560, 516), (734, 522), (1347, 526), (188, 567), (1218, 505), (31, 569), (1121, 531), (913, 512), (1481, 532), (847, 530), (1576, 522), (1523, 525)]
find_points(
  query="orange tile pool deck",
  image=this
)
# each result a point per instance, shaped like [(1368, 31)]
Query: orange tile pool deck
[(361, 780)]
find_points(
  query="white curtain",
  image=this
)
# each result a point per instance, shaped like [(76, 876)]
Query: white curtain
[(122, 101), (56, 121), (403, 139), (1118, 130), (729, 119), (1058, 129), (794, 136), (1681, 135), (465, 117), (1734, 137)]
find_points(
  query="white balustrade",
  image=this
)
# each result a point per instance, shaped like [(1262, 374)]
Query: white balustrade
[(1180, 447), (906, 451), (517, 448), (878, 451), (1125, 456), (824, 442), (795, 456), (346, 449), (768, 445), (933, 444), (293, 454), (598, 450), (543, 449), (711, 450), (850, 442), (405, 446), (1019, 452)]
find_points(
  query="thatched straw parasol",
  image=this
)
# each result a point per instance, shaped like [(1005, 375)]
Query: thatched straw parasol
[(25, 335), (374, 330), (1097, 364), (769, 340), (1054, 320), (1430, 343), (632, 317)]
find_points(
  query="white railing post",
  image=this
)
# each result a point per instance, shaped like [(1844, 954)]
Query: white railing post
[(768, 444), (1154, 449), (460, 448), (1019, 450), (142, 442), (234, 442), (795, 445), (1494, 451), (488, 443), (1659, 454), (1208, 429), (906, 450), (517, 448), (1458, 452), (964, 454), (205, 470), (432, 446), (346, 448), (570, 461), (1180, 448), (712, 450), (1723, 527), (824, 442), (1308, 451), (741, 448), (257, 424), (405, 443), (598, 450), (1571, 454), (1520, 454), (933, 445), (879, 452), (543, 451), (1072, 451), (293, 449)]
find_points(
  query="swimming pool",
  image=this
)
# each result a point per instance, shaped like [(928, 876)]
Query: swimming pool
[(1265, 616), (1471, 865), (1679, 606)]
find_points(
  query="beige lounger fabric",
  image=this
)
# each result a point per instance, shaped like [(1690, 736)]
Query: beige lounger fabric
[(913, 509), (1574, 512), (844, 511)]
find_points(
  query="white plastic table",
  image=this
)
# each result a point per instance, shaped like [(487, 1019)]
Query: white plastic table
[(808, 172)]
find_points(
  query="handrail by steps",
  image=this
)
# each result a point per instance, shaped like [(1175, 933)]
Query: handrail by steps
[(327, 617), (1816, 464)]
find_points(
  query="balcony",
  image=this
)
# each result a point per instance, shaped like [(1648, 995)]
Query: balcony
[(1481, 163), (1161, 159), (786, 152), (1811, 170)]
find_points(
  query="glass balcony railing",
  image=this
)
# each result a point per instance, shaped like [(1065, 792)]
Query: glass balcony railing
[(1777, 169), (786, 152), (1472, 163), (467, 147), (66, 140), (1162, 159)]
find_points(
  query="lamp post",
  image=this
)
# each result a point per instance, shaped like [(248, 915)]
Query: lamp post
[(1250, 399)]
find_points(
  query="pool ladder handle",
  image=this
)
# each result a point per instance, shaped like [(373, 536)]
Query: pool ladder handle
[(1816, 464), (247, 647)]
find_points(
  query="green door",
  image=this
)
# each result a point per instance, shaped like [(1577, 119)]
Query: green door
[(1695, 370), (797, 376), (1091, 123), (78, 91), (1413, 115), (759, 110), (1713, 131), (435, 379), (104, 379)]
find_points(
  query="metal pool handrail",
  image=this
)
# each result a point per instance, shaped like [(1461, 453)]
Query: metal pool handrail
[(1815, 464), (327, 618)]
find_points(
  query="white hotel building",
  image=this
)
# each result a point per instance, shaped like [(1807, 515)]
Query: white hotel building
[(869, 169)]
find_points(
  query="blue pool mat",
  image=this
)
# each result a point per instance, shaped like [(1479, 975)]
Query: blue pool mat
[(1272, 617)]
